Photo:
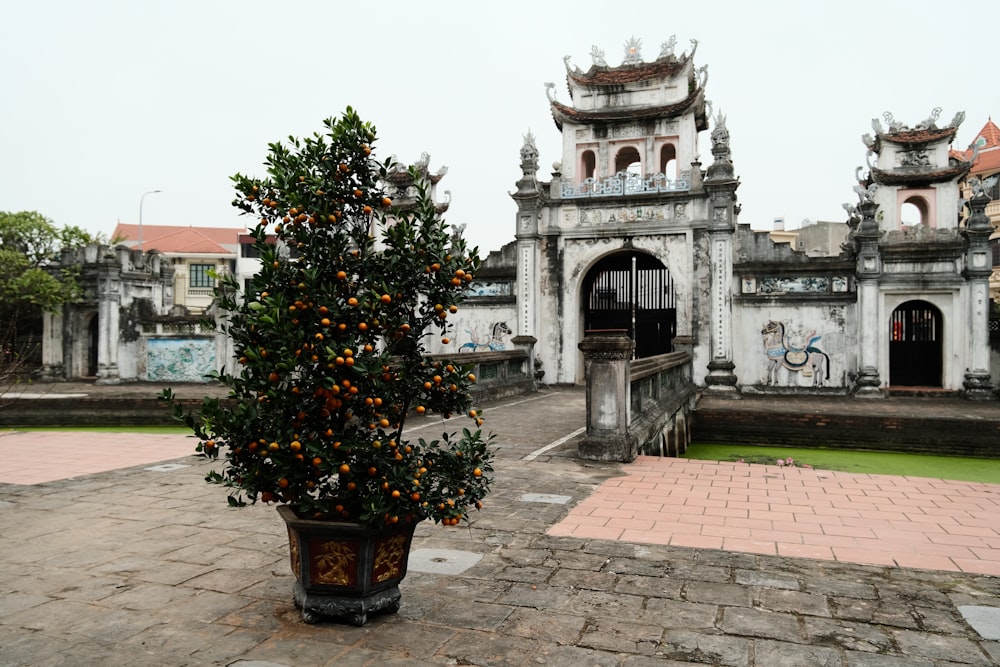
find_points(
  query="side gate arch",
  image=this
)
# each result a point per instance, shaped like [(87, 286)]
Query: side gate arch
[(632, 291), (916, 349)]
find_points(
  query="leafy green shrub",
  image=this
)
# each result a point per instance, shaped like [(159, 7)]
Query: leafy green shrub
[(331, 335)]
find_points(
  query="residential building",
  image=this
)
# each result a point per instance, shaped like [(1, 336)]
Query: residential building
[(196, 254)]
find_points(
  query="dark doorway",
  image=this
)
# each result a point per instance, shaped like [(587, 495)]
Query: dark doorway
[(915, 349), (92, 338), (633, 292)]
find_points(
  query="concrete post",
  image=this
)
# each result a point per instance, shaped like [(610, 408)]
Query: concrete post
[(606, 357)]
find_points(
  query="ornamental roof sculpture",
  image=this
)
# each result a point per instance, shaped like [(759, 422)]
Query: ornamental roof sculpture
[(912, 148), (721, 168), (924, 132), (401, 184), (633, 74)]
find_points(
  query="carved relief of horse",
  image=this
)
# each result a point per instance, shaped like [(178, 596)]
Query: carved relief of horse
[(797, 354)]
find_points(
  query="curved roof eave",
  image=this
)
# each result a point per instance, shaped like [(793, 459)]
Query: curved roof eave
[(562, 113), (662, 68)]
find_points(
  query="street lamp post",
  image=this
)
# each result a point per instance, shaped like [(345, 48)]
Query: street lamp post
[(141, 199)]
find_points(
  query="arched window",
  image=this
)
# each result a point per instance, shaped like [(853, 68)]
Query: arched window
[(628, 160), (913, 211), (588, 165), (668, 161)]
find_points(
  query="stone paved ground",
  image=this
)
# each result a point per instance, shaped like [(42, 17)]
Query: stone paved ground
[(148, 567)]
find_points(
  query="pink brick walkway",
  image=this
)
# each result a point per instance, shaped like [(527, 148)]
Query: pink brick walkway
[(871, 519), (34, 457)]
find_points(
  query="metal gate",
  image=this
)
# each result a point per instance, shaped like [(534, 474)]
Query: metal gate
[(632, 292), (915, 349)]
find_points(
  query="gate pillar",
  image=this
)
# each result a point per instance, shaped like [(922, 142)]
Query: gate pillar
[(607, 364)]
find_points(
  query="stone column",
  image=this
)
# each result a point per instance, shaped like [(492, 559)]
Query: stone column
[(868, 382), (720, 183), (528, 198), (109, 298), (978, 267), (607, 363)]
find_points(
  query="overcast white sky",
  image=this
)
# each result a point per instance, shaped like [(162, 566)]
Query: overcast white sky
[(101, 101)]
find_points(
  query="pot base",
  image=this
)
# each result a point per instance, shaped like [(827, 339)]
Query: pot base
[(317, 607)]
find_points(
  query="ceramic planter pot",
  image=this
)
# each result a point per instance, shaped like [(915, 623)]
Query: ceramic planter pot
[(346, 571)]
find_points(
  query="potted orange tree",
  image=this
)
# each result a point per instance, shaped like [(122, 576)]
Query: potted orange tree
[(330, 335)]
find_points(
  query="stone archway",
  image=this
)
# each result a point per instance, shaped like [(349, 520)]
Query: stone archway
[(633, 292), (915, 345)]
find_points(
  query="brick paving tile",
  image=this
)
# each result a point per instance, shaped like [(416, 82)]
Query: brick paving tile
[(662, 561)]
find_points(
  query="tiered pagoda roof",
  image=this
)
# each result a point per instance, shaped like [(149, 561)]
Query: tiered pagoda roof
[(633, 75), (914, 143), (562, 113)]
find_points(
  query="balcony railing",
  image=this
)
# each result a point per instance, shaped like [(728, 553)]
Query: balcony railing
[(624, 183)]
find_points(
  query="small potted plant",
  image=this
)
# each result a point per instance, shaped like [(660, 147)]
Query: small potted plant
[(330, 336)]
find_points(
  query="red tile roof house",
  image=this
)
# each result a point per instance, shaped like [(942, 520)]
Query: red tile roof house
[(986, 167), (194, 252)]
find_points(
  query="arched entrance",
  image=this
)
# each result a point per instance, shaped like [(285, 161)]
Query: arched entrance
[(92, 339), (632, 291), (915, 349)]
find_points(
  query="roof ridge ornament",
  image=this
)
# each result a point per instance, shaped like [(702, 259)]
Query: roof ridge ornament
[(667, 48), (550, 91), (931, 121), (633, 51), (597, 55), (569, 70), (694, 47)]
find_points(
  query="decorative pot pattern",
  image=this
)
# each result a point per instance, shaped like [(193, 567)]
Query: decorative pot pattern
[(346, 571)]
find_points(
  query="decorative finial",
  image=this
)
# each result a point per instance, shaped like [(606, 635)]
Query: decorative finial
[(529, 155), (550, 91), (597, 55), (702, 76), (720, 135), (667, 47), (633, 51)]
